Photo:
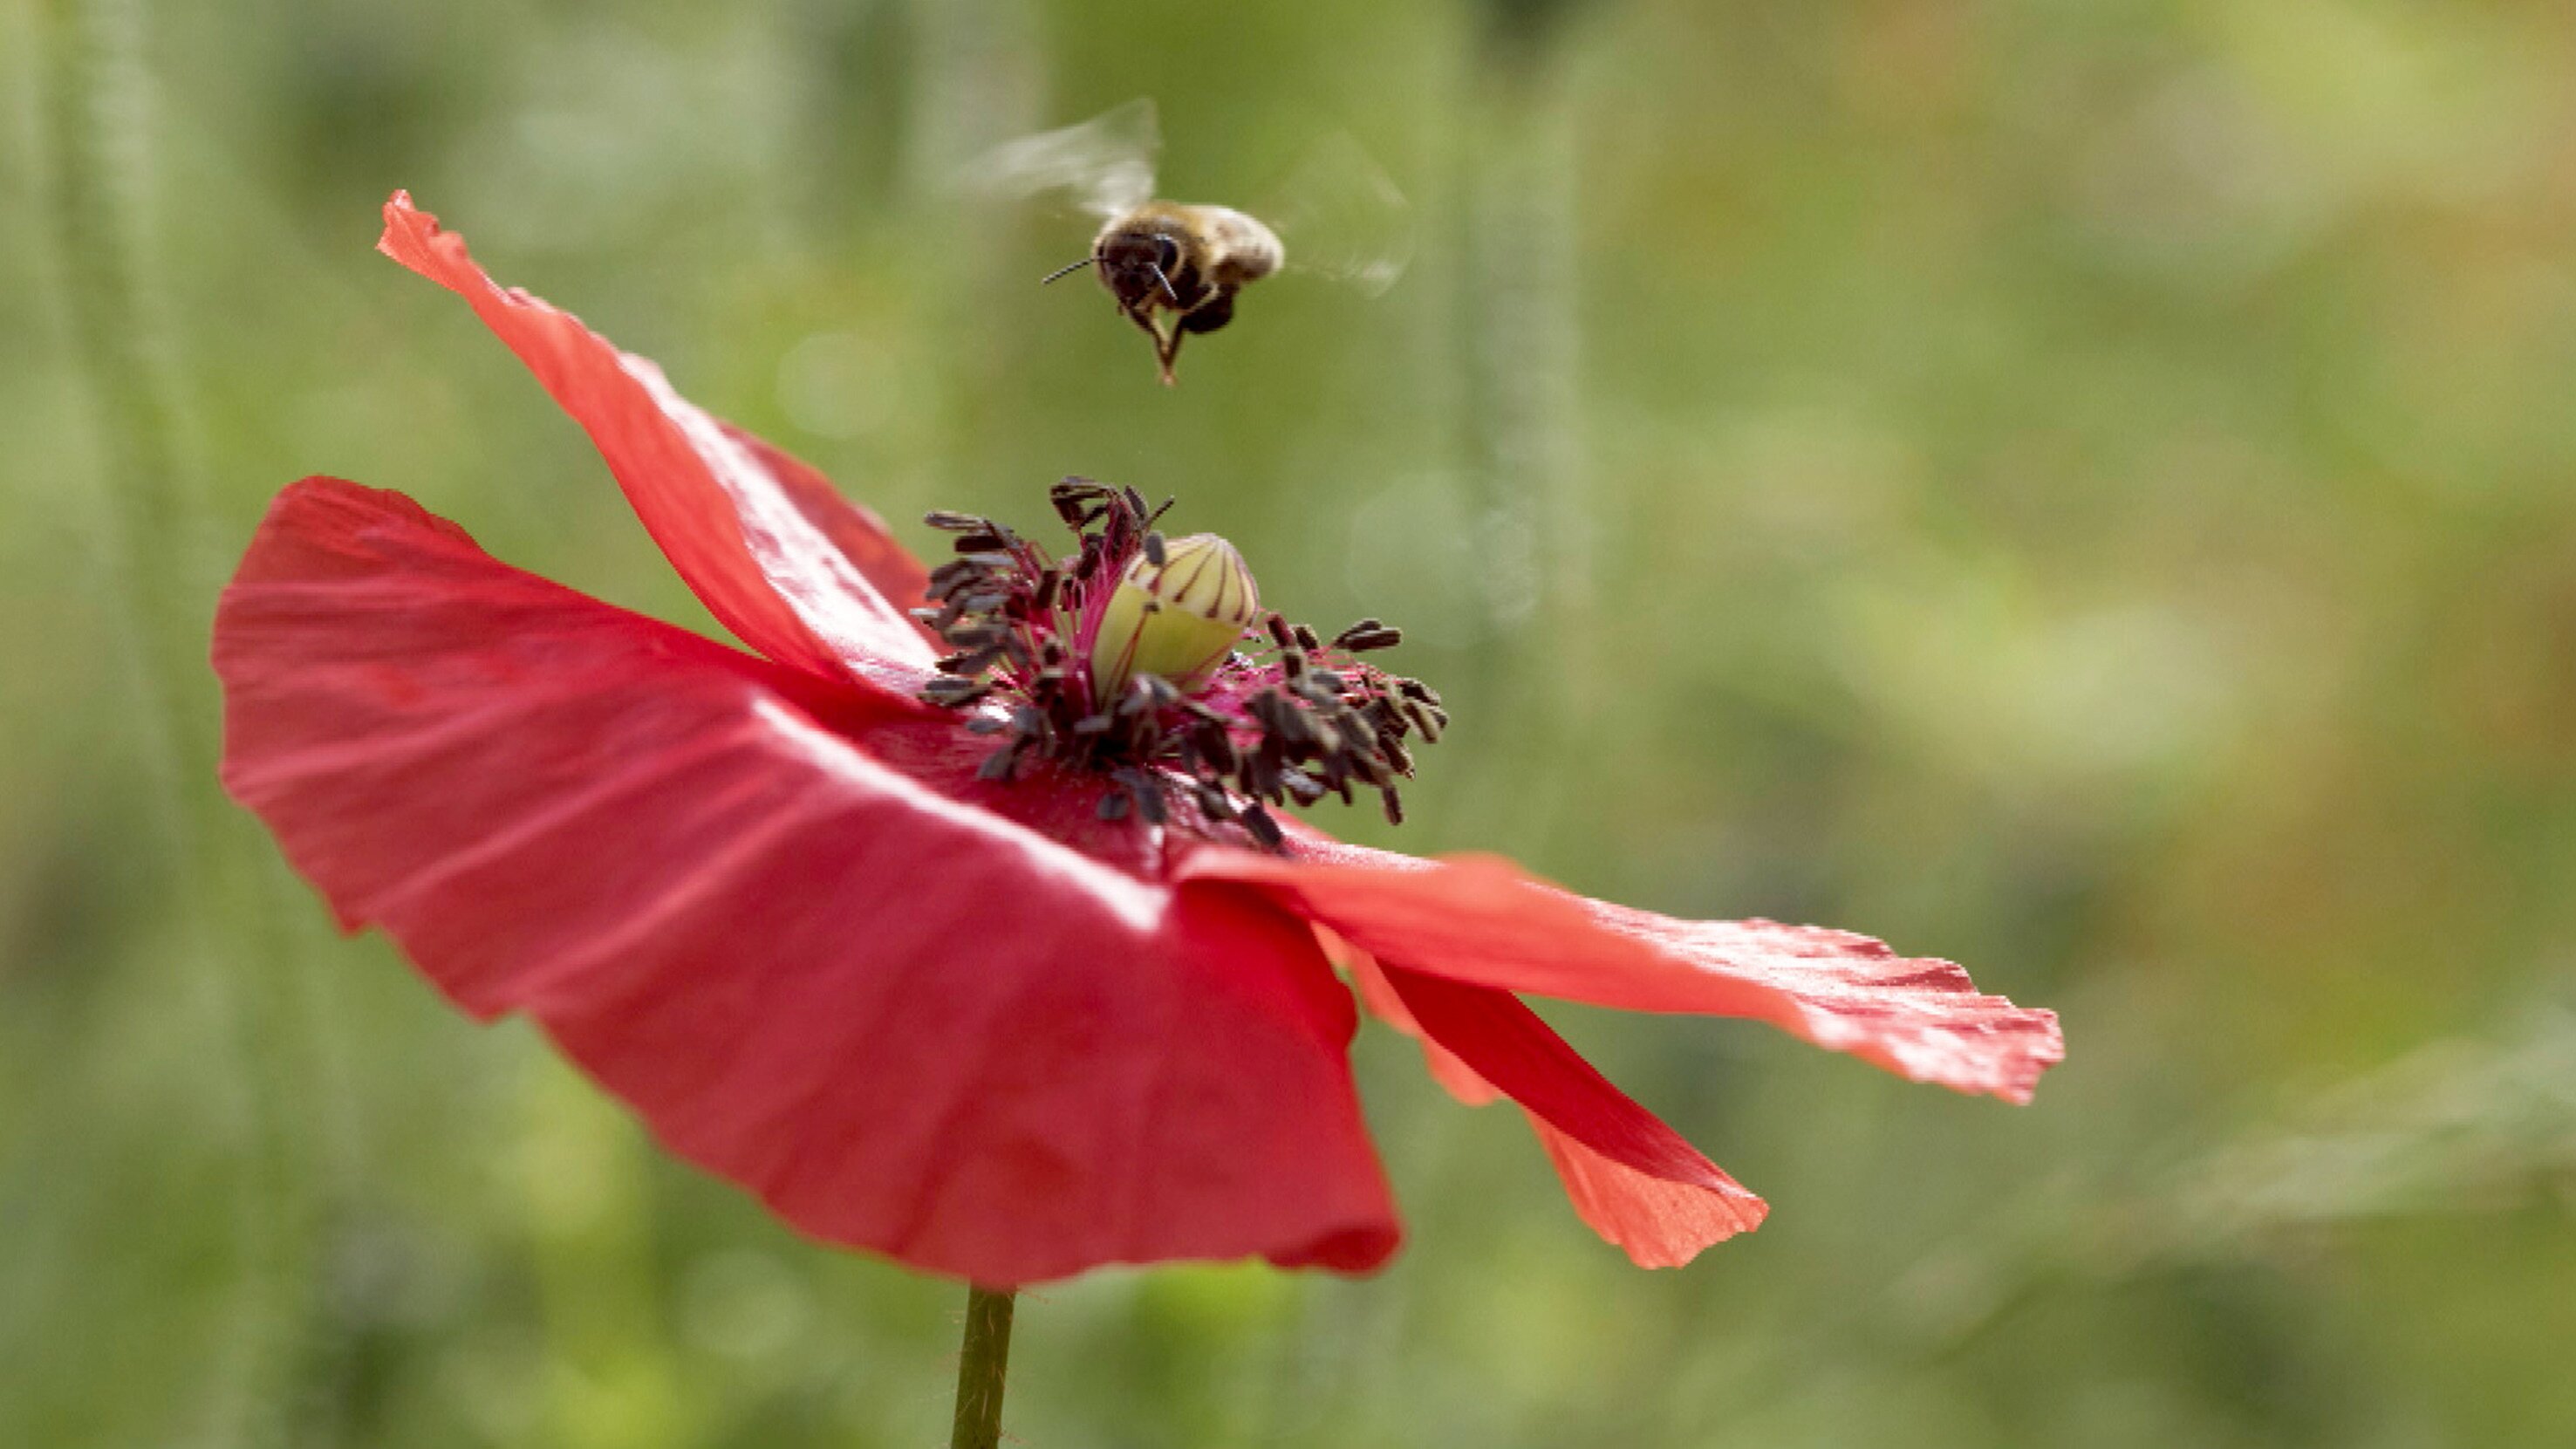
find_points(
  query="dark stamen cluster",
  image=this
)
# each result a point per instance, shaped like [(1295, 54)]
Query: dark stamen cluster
[(1296, 720), (1010, 611), (1329, 721)]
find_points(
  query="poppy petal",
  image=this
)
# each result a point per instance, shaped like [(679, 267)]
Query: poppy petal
[(1632, 1178), (796, 572), (1658, 1222), (856, 530), (1484, 921), (1455, 1077), (906, 1023)]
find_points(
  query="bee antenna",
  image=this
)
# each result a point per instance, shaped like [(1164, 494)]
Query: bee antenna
[(1065, 270), (1167, 283)]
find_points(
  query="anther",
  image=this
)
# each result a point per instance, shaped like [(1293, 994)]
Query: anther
[(1263, 828)]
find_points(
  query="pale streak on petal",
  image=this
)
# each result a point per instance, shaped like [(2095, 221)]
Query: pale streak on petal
[(851, 615), (1136, 902)]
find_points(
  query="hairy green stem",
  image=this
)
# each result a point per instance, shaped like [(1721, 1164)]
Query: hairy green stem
[(982, 1361)]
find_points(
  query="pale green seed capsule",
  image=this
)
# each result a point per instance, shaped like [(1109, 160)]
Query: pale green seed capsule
[(1179, 619)]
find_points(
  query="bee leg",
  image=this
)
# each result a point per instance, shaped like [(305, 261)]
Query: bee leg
[(1167, 347), (1143, 317)]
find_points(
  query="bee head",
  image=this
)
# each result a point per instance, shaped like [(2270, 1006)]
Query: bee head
[(1138, 266)]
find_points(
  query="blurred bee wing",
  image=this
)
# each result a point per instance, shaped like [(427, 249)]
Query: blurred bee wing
[(1104, 166), (1340, 216)]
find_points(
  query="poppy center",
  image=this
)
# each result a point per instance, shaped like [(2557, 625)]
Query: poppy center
[(1151, 661)]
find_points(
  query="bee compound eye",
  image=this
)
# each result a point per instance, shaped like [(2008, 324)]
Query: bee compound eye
[(1167, 254)]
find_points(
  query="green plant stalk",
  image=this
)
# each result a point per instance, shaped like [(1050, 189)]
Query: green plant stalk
[(982, 1362), (153, 563), (1520, 341)]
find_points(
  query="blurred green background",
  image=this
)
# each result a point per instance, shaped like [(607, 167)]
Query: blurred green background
[(2079, 488)]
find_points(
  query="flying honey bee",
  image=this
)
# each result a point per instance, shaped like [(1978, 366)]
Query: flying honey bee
[(1174, 267)]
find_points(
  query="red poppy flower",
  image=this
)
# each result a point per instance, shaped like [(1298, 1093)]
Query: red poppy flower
[(865, 922)]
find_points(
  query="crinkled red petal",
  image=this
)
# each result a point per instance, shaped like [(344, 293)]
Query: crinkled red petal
[(1632, 1178), (1455, 1077), (795, 571), (907, 1024), (1484, 921), (1658, 1222)]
